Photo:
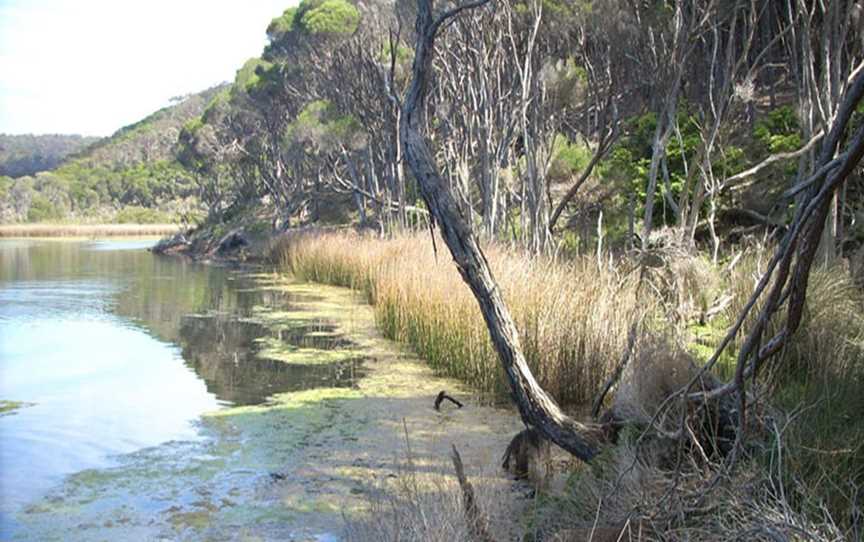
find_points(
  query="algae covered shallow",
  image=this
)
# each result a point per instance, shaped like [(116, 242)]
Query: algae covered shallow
[(290, 467), (10, 407)]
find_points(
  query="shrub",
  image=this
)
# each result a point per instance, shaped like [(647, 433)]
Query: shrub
[(43, 210), (133, 214)]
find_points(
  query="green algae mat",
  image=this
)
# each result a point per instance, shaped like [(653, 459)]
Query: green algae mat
[(294, 467)]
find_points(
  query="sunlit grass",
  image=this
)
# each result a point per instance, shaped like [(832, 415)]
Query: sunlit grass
[(85, 230), (573, 319)]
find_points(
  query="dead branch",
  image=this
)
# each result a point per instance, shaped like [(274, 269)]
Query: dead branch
[(477, 524), (536, 407), (442, 396), (772, 159), (619, 369)]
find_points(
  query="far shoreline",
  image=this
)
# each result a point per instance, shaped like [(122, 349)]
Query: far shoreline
[(87, 230)]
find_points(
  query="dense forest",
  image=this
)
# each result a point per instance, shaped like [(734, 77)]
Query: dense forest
[(557, 123), (552, 121)]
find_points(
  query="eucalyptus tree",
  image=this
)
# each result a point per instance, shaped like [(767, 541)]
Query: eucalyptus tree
[(362, 82)]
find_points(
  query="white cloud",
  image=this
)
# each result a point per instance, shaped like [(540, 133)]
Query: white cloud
[(93, 66)]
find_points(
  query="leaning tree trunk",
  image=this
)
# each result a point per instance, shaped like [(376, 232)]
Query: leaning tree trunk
[(536, 407)]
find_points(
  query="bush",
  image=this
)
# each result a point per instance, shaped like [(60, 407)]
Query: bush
[(42, 210), (133, 214)]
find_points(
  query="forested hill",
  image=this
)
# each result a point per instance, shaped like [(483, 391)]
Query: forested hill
[(151, 139), (131, 176), (546, 117), (28, 154)]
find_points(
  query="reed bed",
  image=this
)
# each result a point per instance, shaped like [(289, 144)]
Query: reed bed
[(86, 230), (573, 319)]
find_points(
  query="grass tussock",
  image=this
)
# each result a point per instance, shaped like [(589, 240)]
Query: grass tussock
[(573, 319), (86, 230)]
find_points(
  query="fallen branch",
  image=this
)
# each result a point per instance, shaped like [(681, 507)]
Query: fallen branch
[(442, 396), (477, 525), (536, 407)]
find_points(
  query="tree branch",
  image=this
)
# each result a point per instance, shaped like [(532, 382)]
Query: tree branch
[(536, 407)]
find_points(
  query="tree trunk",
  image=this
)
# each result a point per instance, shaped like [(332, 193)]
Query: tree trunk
[(536, 407)]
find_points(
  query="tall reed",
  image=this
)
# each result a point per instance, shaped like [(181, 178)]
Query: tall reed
[(573, 319)]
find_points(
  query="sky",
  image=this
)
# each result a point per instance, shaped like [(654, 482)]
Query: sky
[(93, 66)]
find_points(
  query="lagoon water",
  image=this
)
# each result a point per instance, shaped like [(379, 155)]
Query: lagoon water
[(110, 349)]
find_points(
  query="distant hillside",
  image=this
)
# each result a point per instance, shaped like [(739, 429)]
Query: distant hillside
[(29, 154), (151, 139), (131, 176)]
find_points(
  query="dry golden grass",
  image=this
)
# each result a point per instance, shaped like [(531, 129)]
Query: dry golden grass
[(85, 230), (573, 319)]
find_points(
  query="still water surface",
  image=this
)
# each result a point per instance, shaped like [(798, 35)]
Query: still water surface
[(112, 349)]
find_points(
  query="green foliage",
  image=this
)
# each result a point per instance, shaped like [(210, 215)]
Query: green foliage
[(135, 167), (216, 104), (135, 214), (5, 186), (778, 131), (43, 210), (249, 76), (145, 184), (282, 25), (629, 162), (22, 155), (404, 54), (320, 124), (569, 158), (193, 126), (332, 17), (313, 17)]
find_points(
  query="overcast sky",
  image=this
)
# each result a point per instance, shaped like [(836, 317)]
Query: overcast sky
[(93, 66)]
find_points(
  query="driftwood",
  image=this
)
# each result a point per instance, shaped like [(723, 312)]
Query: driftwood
[(443, 396), (536, 407), (477, 525)]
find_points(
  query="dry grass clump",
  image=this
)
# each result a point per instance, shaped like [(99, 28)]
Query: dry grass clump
[(658, 370), (687, 284), (86, 230), (433, 512), (623, 498), (831, 335), (573, 319)]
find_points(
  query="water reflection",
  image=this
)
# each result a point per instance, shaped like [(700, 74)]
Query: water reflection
[(223, 350), (118, 350)]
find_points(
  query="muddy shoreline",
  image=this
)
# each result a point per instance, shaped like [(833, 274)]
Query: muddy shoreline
[(299, 465)]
